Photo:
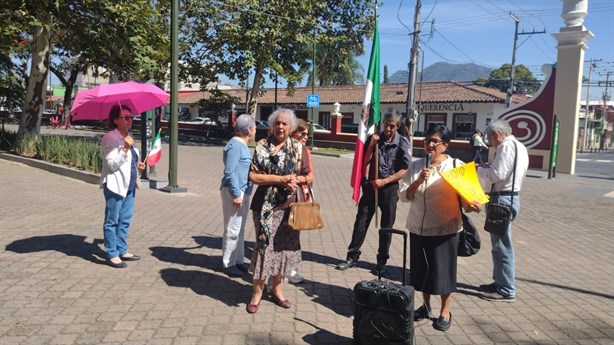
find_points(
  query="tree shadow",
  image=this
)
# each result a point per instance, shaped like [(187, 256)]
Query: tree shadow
[(323, 336), (71, 245), (228, 291)]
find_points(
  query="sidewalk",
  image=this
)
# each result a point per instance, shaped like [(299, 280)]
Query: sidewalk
[(56, 289)]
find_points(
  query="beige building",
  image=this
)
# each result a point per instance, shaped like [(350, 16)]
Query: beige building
[(459, 106)]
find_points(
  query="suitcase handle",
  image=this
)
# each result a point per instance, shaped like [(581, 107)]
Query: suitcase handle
[(404, 234)]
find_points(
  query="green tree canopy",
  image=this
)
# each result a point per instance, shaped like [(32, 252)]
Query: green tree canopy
[(524, 80), (126, 37), (239, 37)]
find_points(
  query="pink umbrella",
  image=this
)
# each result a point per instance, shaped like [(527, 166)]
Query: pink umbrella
[(96, 103)]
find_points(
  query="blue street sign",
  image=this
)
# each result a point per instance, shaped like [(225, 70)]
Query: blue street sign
[(313, 101)]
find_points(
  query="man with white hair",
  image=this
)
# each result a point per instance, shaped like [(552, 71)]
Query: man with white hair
[(505, 184)]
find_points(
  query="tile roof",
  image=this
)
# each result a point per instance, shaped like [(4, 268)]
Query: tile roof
[(430, 92)]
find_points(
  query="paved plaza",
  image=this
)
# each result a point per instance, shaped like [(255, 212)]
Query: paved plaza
[(56, 289)]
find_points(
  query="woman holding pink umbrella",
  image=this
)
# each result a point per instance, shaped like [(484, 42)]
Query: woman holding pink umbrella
[(119, 179)]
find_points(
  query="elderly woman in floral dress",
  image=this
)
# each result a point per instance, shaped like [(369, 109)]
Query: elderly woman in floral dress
[(279, 165)]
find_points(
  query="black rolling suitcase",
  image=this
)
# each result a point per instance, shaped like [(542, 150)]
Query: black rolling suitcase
[(383, 311)]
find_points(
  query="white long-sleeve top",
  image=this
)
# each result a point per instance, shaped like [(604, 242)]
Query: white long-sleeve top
[(115, 163), (435, 209), (500, 170)]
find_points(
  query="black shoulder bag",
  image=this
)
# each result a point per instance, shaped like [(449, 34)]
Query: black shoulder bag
[(499, 217), (469, 238)]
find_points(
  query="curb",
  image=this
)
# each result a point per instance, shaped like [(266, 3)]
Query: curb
[(53, 168), (73, 173)]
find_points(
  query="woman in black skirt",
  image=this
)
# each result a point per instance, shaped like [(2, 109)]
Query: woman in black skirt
[(434, 221)]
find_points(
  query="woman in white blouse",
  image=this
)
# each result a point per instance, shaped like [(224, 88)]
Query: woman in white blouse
[(434, 221)]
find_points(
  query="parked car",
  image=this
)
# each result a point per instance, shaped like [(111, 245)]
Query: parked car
[(317, 128), (349, 128), (197, 121), (261, 124)]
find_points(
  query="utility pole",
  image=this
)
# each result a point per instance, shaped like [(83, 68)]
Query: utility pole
[(606, 97), (588, 87), (510, 89), (411, 82)]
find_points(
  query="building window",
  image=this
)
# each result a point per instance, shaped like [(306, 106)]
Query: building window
[(433, 120), (324, 119), (463, 126), (302, 114), (265, 112)]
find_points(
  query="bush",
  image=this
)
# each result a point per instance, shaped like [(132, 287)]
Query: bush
[(80, 153)]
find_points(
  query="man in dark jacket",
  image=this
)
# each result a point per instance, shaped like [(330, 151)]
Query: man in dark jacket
[(393, 158)]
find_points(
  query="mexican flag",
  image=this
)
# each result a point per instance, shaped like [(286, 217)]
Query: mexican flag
[(155, 153), (370, 115)]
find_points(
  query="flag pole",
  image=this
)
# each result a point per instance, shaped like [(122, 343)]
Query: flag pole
[(376, 190), (152, 145), (376, 124)]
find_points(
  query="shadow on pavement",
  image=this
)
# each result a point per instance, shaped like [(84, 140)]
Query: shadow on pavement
[(564, 287), (228, 291), (467, 289), (335, 298), (323, 336), (71, 245), (183, 257)]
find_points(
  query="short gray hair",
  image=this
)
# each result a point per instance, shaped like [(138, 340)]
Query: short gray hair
[(395, 115), (244, 123), (500, 126), (273, 118)]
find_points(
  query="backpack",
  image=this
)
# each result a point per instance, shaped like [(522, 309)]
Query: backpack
[(472, 140)]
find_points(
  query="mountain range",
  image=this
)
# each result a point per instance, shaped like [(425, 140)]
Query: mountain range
[(443, 71)]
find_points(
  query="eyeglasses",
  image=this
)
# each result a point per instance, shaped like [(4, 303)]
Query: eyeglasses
[(304, 134), (435, 142)]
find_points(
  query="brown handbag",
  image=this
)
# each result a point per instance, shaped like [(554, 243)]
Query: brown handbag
[(305, 215)]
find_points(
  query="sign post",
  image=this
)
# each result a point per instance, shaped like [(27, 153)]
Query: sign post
[(554, 147), (313, 100)]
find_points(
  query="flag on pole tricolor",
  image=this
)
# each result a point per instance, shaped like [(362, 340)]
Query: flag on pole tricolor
[(155, 153), (370, 115)]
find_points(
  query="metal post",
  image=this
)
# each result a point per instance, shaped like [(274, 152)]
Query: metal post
[(313, 86), (144, 141), (173, 186)]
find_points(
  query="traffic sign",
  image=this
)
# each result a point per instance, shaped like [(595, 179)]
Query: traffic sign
[(313, 100)]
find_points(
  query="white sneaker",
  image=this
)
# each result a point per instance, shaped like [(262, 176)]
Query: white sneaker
[(294, 277)]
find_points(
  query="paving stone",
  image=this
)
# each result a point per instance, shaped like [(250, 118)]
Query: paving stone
[(56, 289)]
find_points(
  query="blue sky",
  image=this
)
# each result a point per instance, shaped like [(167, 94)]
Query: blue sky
[(482, 32)]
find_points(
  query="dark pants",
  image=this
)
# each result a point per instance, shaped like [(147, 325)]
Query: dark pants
[(477, 154), (388, 198)]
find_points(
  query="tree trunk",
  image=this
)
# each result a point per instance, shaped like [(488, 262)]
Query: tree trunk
[(67, 104), (253, 97), (37, 81)]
